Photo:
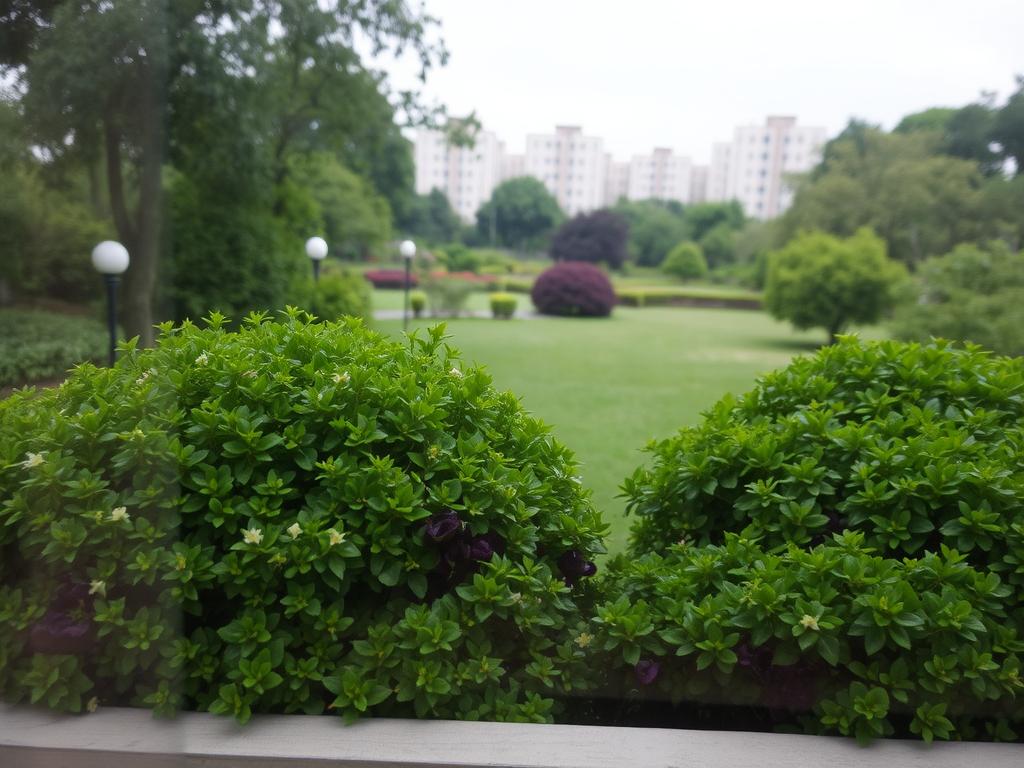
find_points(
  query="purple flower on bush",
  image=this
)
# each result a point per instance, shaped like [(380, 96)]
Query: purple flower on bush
[(646, 671), (443, 526), (574, 567), (480, 549)]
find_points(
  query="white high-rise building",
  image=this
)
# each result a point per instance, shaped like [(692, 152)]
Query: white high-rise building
[(698, 183), (753, 169), (572, 166), (719, 171), (616, 180), (660, 175), (513, 166), (466, 175)]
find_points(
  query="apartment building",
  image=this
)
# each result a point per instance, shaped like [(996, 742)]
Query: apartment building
[(660, 175), (616, 180), (572, 166), (466, 175), (755, 167), (699, 183)]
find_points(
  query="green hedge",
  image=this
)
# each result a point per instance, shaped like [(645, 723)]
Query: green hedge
[(37, 346), (657, 296)]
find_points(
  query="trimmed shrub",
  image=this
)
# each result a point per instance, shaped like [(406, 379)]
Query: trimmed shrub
[(290, 518), (830, 639), (503, 305), (661, 296), (856, 517), (574, 289), (390, 278), (36, 346), (685, 261), (417, 302)]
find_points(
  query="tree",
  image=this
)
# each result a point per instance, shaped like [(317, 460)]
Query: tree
[(431, 218), (918, 200), (598, 237), (653, 229), (719, 245), (1009, 126), (701, 218), (685, 261), (818, 280), (129, 80), (521, 214), (967, 132), (974, 293)]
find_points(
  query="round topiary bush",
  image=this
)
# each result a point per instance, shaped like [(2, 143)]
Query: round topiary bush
[(847, 539), (290, 518), (503, 305), (575, 289), (417, 302)]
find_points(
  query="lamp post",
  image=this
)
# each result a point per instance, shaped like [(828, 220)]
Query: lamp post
[(316, 249), (408, 250), (110, 259)]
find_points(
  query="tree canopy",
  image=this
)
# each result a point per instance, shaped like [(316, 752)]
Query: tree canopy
[(521, 214), (598, 237), (819, 280), (227, 96)]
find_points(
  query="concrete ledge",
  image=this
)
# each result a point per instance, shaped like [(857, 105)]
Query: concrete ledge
[(130, 738)]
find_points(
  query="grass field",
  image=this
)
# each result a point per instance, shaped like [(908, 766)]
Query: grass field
[(609, 386)]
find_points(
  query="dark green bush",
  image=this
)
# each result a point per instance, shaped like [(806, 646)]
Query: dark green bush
[(289, 518), (503, 305), (861, 641), (907, 456), (36, 346), (975, 293)]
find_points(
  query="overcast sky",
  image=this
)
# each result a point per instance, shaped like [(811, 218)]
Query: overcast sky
[(682, 74)]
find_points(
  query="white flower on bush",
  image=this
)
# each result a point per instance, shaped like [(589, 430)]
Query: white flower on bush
[(809, 622), (203, 359), (98, 587), (294, 530), (341, 378), (32, 460), (456, 373), (250, 374), (252, 535), (92, 705), (335, 537), (584, 639), (118, 514)]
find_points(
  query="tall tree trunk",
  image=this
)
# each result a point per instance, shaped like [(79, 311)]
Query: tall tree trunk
[(139, 231)]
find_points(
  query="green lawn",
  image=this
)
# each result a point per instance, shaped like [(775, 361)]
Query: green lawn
[(609, 386)]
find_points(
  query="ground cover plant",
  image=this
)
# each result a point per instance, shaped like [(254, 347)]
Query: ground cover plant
[(38, 346), (846, 538), (295, 517)]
